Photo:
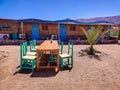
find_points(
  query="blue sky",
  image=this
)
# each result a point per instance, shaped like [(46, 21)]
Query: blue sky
[(58, 9)]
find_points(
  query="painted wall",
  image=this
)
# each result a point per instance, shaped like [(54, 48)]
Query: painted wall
[(9, 30), (78, 31), (52, 29)]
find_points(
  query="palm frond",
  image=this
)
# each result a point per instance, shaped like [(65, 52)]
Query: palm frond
[(93, 34), (84, 31)]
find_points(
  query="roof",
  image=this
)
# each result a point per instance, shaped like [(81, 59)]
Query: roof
[(64, 21), (68, 21), (100, 22), (13, 20), (35, 20)]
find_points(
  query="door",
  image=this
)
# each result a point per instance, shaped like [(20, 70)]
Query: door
[(109, 30), (35, 31), (89, 28), (63, 32)]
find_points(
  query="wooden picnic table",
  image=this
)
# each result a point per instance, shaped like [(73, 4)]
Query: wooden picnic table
[(50, 47)]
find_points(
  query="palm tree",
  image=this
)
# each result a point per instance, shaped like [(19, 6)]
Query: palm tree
[(92, 36)]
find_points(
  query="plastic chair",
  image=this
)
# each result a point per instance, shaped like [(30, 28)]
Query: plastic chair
[(26, 61), (66, 59)]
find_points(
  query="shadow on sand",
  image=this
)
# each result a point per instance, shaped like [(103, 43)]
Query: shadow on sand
[(66, 68), (40, 73), (44, 73), (24, 71), (96, 56), (36, 73)]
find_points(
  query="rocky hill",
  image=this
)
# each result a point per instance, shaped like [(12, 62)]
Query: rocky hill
[(115, 19)]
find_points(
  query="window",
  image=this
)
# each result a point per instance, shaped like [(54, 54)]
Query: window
[(45, 27), (6, 27), (72, 28)]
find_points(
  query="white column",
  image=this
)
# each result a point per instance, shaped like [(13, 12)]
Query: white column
[(22, 27)]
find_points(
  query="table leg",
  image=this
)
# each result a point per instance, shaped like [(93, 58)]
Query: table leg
[(37, 60), (58, 61)]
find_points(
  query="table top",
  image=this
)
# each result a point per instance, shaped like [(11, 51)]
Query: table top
[(48, 45)]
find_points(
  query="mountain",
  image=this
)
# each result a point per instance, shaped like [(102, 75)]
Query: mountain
[(115, 19)]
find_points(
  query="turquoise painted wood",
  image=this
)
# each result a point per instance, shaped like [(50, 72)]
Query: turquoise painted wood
[(35, 31), (68, 56), (61, 47), (53, 59), (89, 28), (63, 35), (59, 42), (33, 45), (26, 61)]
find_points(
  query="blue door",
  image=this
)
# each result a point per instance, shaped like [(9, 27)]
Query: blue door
[(89, 28), (109, 30), (35, 31), (63, 32)]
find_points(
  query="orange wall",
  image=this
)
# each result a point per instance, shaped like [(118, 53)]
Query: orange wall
[(52, 28), (9, 31), (79, 31)]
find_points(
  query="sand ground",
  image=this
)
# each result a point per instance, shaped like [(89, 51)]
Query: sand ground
[(88, 73)]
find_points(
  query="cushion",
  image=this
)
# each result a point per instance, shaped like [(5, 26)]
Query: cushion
[(33, 49), (31, 53), (65, 55), (29, 57)]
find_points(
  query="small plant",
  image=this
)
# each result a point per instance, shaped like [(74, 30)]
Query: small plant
[(92, 36)]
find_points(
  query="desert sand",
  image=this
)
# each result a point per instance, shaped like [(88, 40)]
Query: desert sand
[(88, 73)]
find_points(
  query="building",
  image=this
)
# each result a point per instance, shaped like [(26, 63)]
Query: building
[(43, 29)]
